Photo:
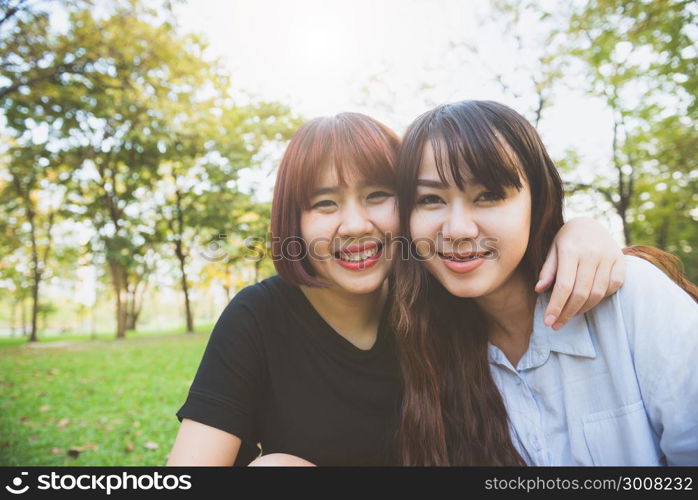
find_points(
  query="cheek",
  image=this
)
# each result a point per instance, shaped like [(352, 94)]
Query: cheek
[(317, 233), (424, 227), (424, 224), (307, 227), (521, 220), (510, 226), (317, 226), (386, 217)]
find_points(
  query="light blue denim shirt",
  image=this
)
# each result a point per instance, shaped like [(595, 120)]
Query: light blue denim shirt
[(616, 386)]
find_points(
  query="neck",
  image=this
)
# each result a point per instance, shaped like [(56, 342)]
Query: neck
[(355, 317), (509, 314)]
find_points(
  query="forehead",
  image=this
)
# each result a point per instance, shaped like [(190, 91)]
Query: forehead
[(428, 168), (329, 175)]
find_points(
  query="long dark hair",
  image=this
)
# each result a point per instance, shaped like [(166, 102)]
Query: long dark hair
[(452, 411)]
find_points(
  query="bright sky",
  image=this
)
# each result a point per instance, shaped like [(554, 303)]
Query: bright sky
[(391, 59), (317, 55)]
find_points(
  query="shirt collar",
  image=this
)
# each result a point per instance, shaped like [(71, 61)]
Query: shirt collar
[(572, 339)]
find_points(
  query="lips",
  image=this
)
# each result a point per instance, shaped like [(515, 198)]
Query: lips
[(360, 256), (464, 262), (464, 257)]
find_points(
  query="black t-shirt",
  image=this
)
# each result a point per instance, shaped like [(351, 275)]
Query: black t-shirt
[(274, 372)]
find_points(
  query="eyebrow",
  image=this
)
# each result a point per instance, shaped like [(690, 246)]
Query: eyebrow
[(324, 190), (432, 184), (336, 189)]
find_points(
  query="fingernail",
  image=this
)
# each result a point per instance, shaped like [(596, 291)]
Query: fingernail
[(557, 326), (549, 320), (540, 282)]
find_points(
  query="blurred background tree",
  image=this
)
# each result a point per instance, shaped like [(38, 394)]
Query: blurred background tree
[(128, 149), (123, 125), (641, 59), (136, 167)]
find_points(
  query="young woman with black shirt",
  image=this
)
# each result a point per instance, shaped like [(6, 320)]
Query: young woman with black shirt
[(303, 364)]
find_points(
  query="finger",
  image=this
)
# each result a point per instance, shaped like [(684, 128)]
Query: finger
[(564, 283), (583, 283), (617, 276), (599, 289), (547, 272)]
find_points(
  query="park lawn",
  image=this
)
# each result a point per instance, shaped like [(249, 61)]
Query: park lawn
[(111, 403)]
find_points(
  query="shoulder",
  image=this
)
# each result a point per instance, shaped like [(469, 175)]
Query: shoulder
[(248, 317), (649, 308), (647, 284), (653, 307), (260, 295), (641, 270), (260, 303)]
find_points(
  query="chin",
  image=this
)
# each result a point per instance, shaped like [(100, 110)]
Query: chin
[(464, 293), (362, 290), (466, 290), (354, 289), (359, 285)]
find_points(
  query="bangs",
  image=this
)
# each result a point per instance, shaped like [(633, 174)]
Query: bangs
[(355, 145), (486, 157)]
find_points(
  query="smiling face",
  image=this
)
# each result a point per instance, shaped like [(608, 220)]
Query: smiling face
[(347, 230), (480, 236)]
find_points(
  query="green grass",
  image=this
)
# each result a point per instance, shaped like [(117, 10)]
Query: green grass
[(107, 399), (99, 336)]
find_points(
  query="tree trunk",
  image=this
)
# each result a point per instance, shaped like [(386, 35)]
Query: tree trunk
[(663, 235), (119, 284), (227, 284), (626, 231), (13, 316), (35, 305), (185, 288), (23, 312), (93, 320), (36, 277), (131, 320), (181, 257), (136, 302), (623, 213), (131, 315)]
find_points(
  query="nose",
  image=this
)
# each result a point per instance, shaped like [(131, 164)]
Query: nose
[(355, 221), (460, 224)]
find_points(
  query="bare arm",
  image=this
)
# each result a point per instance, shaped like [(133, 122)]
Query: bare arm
[(200, 444), (586, 265)]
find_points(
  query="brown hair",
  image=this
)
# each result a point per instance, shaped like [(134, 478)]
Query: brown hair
[(452, 412), (669, 263), (352, 143)]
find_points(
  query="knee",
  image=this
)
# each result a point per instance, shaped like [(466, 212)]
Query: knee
[(279, 460)]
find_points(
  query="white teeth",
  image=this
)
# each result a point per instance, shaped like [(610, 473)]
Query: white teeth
[(472, 257), (358, 257)]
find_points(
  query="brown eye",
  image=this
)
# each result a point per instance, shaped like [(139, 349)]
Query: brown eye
[(490, 196), (429, 199), (324, 204), (379, 195)]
